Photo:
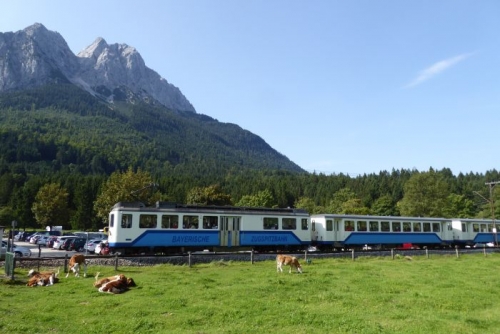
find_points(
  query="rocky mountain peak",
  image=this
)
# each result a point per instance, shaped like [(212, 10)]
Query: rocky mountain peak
[(36, 56)]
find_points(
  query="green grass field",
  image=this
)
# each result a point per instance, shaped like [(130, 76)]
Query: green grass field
[(442, 294)]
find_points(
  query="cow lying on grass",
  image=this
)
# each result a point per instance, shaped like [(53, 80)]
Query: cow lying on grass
[(113, 284), (44, 278), (287, 261), (75, 262)]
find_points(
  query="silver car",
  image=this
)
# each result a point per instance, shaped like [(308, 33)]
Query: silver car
[(20, 251)]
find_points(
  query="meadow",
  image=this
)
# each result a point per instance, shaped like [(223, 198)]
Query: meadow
[(440, 294)]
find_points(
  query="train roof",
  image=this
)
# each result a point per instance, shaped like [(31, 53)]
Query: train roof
[(399, 218), (193, 207)]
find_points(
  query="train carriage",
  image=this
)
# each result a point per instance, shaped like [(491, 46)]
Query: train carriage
[(171, 227), (357, 231)]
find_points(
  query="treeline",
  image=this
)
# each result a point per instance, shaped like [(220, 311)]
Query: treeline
[(400, 192)]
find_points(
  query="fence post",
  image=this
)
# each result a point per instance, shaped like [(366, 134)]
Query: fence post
[(65, 263), (352, 254), (427, 253), (456, 250), (392, 253), (39, 251), (251, 256), (305, 255), (116, 262), (189, 259), (484, 251)]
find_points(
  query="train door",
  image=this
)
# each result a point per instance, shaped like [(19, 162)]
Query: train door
[(230, 231)]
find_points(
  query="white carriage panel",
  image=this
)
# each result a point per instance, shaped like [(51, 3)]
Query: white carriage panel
[(252, 222), (458, 230)]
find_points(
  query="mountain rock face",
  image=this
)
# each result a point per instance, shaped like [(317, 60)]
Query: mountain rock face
[(36, 56)]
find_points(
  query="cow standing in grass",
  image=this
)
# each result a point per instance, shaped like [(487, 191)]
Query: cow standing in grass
[(75, 262), (287, 260)]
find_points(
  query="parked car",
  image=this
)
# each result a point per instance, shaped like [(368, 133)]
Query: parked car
[(23, 236), (50, 241), (91, 244), (42, 240), (34, 238), (20, 251), (76, 244), (58, 244), (102, 248)]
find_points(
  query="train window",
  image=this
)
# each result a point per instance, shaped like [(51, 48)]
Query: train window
[(436, 227), (210, 222), (329, 225), (406, 227), (126, 221), (427, 227), (349, 225), (112, 221), (385, 226), (483, 227), (374, 226), (464, 227), (396, 227), (362, 225), (148, 221), (190, 222), (305, 224), (270, 223), (170, 221), (289, 223), (417, 227), (475, 228)]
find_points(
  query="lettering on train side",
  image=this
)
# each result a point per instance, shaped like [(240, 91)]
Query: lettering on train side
[(190, 238), (269, 238)]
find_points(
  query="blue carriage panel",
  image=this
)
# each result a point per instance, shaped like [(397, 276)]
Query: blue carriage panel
[(177, 238), (263, 238), (357, 238), (485, 238)]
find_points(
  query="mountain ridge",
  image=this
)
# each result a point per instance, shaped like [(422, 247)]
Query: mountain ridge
[(107, 91), (35, 56)]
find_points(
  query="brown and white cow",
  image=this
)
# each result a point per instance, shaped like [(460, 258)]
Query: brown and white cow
[(287, 260), (119, 285), (44, 278), (75, 262), (113, 284)]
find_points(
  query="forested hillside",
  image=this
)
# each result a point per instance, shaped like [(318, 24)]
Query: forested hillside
[(61, 140), (62, 128)]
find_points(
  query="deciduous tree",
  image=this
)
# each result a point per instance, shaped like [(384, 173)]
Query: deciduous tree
[(128, 186), (51, 205), (425, 195)]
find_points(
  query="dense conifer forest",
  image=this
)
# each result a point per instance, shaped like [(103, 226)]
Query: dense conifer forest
[(61, 135)]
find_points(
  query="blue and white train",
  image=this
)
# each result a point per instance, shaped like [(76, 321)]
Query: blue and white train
[(357, 231), (173, 228)]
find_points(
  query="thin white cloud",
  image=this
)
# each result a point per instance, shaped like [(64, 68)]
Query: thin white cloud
[(437, 68)]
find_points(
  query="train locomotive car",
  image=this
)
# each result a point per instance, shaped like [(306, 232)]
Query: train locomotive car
[(175, 228), (332, 231)]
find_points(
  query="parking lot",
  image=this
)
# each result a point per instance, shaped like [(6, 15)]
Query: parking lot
[(42, 251)]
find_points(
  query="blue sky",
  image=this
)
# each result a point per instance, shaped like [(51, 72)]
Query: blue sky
[(349, 87)]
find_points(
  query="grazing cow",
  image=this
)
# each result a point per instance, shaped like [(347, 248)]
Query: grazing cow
[(45, 278), (75, 263), (287, 261)]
